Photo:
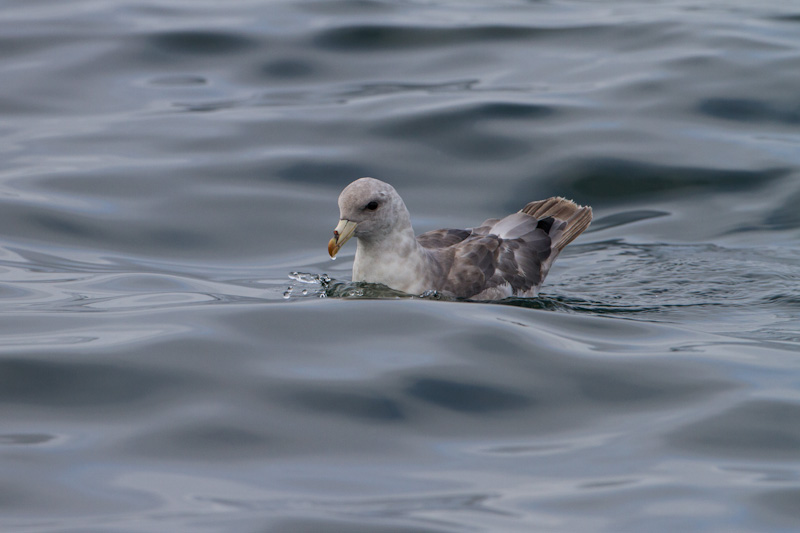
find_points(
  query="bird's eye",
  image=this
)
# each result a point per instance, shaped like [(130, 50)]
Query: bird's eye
[(372, 206)]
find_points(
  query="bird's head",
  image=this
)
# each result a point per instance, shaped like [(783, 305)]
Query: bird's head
[(368, 209)]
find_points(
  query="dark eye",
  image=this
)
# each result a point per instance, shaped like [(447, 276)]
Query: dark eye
[(372, 206)]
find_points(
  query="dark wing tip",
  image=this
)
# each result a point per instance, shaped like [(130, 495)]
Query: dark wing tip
[(577, 217), (545, 224)]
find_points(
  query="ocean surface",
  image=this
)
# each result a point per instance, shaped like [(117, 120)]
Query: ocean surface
[(179, 354)]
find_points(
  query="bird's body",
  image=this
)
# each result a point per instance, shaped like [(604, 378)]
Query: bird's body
[(500, 258)]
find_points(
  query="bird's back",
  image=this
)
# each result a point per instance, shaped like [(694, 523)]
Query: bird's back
[(509, 256)]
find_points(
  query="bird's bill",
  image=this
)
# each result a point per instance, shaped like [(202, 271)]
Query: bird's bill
[(344, 230)]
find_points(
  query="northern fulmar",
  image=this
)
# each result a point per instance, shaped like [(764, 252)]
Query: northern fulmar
[(500, 258)]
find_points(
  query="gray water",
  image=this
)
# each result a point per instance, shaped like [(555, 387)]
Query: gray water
[(166, 165)]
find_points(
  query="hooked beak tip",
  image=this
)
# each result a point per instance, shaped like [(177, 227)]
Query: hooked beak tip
[(344, 230)]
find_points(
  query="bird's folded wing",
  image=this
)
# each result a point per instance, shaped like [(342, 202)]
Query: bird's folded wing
[(442, 238)]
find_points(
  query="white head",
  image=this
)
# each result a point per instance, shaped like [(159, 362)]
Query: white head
[(368, 209)]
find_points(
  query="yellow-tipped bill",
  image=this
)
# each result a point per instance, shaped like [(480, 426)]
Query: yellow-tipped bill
[(344, 230)]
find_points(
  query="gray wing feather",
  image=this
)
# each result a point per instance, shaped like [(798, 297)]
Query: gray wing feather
[(511, 256), (473, 265), (442, 238)]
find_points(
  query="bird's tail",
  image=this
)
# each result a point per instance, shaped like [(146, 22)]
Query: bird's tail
[(576, 217)]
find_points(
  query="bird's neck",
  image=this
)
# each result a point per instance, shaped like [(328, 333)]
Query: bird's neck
[(395, 259)]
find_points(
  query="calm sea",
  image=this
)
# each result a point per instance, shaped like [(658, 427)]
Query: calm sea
[(167, 165)]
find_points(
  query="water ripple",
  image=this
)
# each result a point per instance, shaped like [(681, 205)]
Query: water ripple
[(166, 164)]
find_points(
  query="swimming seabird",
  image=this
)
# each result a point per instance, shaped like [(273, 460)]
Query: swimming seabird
[(500, 258)]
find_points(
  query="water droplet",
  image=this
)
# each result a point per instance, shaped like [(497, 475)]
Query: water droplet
[(304, 277)]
